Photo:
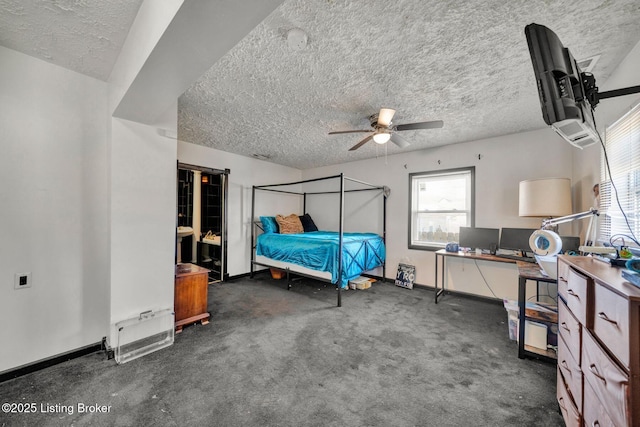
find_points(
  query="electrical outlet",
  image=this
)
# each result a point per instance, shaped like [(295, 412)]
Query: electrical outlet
[(22, 280)]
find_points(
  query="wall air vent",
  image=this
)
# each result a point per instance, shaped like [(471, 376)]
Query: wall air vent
[(586, 65), (576, 132)]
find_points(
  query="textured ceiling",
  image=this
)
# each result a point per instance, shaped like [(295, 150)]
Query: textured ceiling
[(466, 63), (81, 35)]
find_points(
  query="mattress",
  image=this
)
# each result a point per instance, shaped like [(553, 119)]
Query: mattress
[(319, 251)]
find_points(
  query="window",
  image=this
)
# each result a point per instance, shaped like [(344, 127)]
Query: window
[(622, 145), (440, 203)]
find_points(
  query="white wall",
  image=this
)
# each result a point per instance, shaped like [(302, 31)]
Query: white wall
[(143, 206), (363, 205), (142, 193), (504, 162), (245, 173), (53, 173)]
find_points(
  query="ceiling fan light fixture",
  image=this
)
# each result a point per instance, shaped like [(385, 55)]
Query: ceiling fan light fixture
[(382, 137), (382, 129)]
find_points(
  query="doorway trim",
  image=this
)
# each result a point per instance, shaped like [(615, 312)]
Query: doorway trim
[(225, 187)]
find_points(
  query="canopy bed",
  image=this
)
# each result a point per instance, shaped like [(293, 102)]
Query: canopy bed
[(294, 244)]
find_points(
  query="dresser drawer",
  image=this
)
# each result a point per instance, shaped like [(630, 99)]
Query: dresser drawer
[(611, 322), (577, 294), (570, 330), (568, 408), (563, 277), (594, 413), (570, 371), (610, 384)]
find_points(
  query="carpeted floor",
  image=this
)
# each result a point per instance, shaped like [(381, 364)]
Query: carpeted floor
[(272, 357)]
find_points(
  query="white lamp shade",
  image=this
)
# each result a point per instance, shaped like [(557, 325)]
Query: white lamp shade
[(550, 197)]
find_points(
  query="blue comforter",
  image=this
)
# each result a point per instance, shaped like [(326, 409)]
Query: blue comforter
[(318, 250)]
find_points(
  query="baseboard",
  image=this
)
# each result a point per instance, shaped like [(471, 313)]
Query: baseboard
[(427, 287), (391, 281), (477, 297), (239, 276), (49, 361), (460, 294)]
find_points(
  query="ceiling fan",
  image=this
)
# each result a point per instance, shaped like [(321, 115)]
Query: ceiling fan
[(383, 131)]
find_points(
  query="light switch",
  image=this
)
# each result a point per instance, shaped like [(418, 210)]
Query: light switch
[(22, 281)]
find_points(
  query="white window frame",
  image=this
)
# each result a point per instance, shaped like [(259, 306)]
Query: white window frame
[(414, 240), (620, 202)]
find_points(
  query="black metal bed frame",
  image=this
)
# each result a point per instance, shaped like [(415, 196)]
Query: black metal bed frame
[(342, 191)]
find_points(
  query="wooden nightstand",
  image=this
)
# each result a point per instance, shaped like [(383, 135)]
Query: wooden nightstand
[(190, 304)]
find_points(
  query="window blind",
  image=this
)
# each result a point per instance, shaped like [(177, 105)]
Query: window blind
[(440, 203), (620, 186)]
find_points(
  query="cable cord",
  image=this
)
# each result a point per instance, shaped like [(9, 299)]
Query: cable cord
[(613, 185), (483, 278), (548, 295)]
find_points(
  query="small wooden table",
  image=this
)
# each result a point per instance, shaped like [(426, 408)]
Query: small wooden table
[(529, 271), (191, 287)]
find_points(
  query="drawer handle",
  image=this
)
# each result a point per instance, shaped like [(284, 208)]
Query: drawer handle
[(595, 372), (562, 279), (604, 316), (561, 403), (564, 326), (596, 423), (573, 294)]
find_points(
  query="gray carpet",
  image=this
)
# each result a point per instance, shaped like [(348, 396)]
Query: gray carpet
[(272, 357)]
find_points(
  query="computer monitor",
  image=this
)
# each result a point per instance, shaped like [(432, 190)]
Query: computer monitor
[(570, 243), (516, 239), (478, 238)]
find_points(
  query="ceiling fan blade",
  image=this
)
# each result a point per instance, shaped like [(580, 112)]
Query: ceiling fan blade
[(348, 131), (399, 141), (434, 124), (385, 116), (361, 143)]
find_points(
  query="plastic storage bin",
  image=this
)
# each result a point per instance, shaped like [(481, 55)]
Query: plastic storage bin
[(148, 332)]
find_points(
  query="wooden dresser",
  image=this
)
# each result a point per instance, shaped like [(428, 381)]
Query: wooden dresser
[(598, 344), (191, 288)]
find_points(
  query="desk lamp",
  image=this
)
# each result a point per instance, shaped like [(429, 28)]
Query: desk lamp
[(549, 198)]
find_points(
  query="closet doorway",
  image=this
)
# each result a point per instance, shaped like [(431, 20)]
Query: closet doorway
[(201, 218)]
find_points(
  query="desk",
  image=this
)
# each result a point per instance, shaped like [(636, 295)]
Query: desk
[(528, 271), (471, 255)]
